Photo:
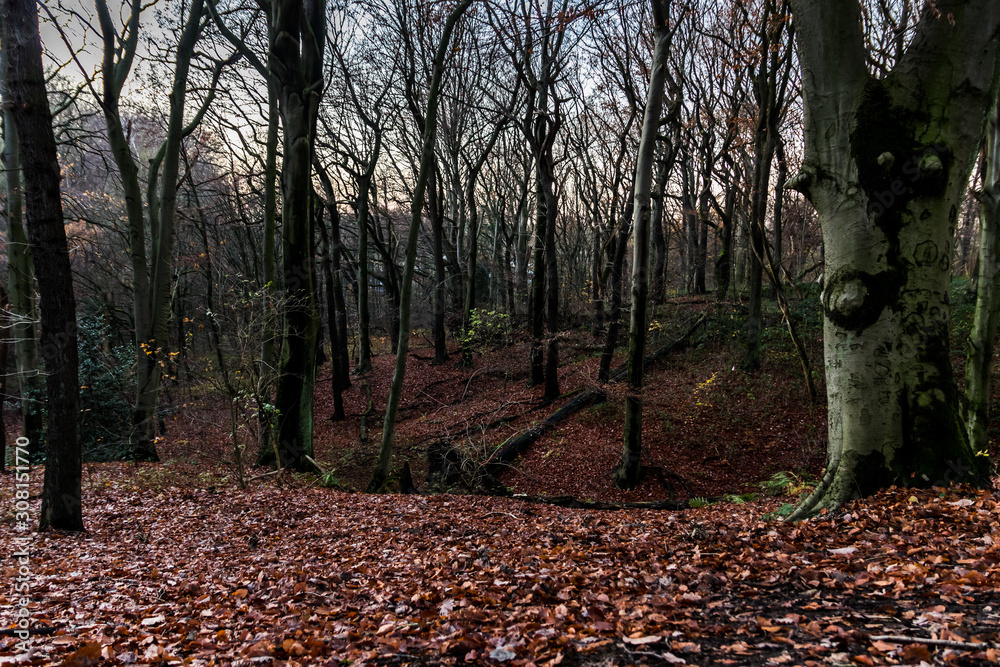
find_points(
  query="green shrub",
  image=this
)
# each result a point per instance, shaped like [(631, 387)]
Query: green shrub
[(784, 511), (488, 328), (787, 484), (105, 384)]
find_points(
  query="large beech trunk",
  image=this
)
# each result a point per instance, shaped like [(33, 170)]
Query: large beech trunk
[(886, 164)]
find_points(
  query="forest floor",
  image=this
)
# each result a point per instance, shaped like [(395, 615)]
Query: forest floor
[(709, 428), (181, 566)]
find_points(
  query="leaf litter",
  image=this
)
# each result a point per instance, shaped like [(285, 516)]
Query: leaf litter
[(297, 575)]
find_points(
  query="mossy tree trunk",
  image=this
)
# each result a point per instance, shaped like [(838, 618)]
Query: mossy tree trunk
[(627, 473), (299, 33), (979, 357), (886, 164)]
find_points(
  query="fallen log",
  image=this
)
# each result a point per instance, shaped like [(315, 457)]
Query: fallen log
[(511, 448)]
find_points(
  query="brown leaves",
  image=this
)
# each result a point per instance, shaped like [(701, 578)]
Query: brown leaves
[(86, 655), (493, 581)]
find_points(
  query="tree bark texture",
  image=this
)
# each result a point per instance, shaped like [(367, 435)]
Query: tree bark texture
[(886, 163), (297, 56)]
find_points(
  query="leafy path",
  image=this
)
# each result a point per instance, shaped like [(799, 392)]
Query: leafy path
[(299, 575)]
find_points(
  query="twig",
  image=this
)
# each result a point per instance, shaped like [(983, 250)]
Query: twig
[(498, 514), (318, 467), (265, 474), (948, 643), (471, 377)]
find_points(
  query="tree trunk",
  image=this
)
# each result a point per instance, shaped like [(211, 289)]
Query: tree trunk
[(336, 308), (471, 269), (658, 285), (779, 205), (551, 279), (364, 318), (162, 210), (886, 164), (268, 367), (615, 314), (61, 489), (440, 291), (339, 303), (521, 242), (538, 275), (297, 50), (724, 262), (626, 475), (769, 86), (338, 365), (21, 283), (381, 473), (979, 356)]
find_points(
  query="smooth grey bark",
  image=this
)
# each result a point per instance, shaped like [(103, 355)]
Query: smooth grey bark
[(979, 355), (626, 475), (25, 83), (886, 163), (381, 473)]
